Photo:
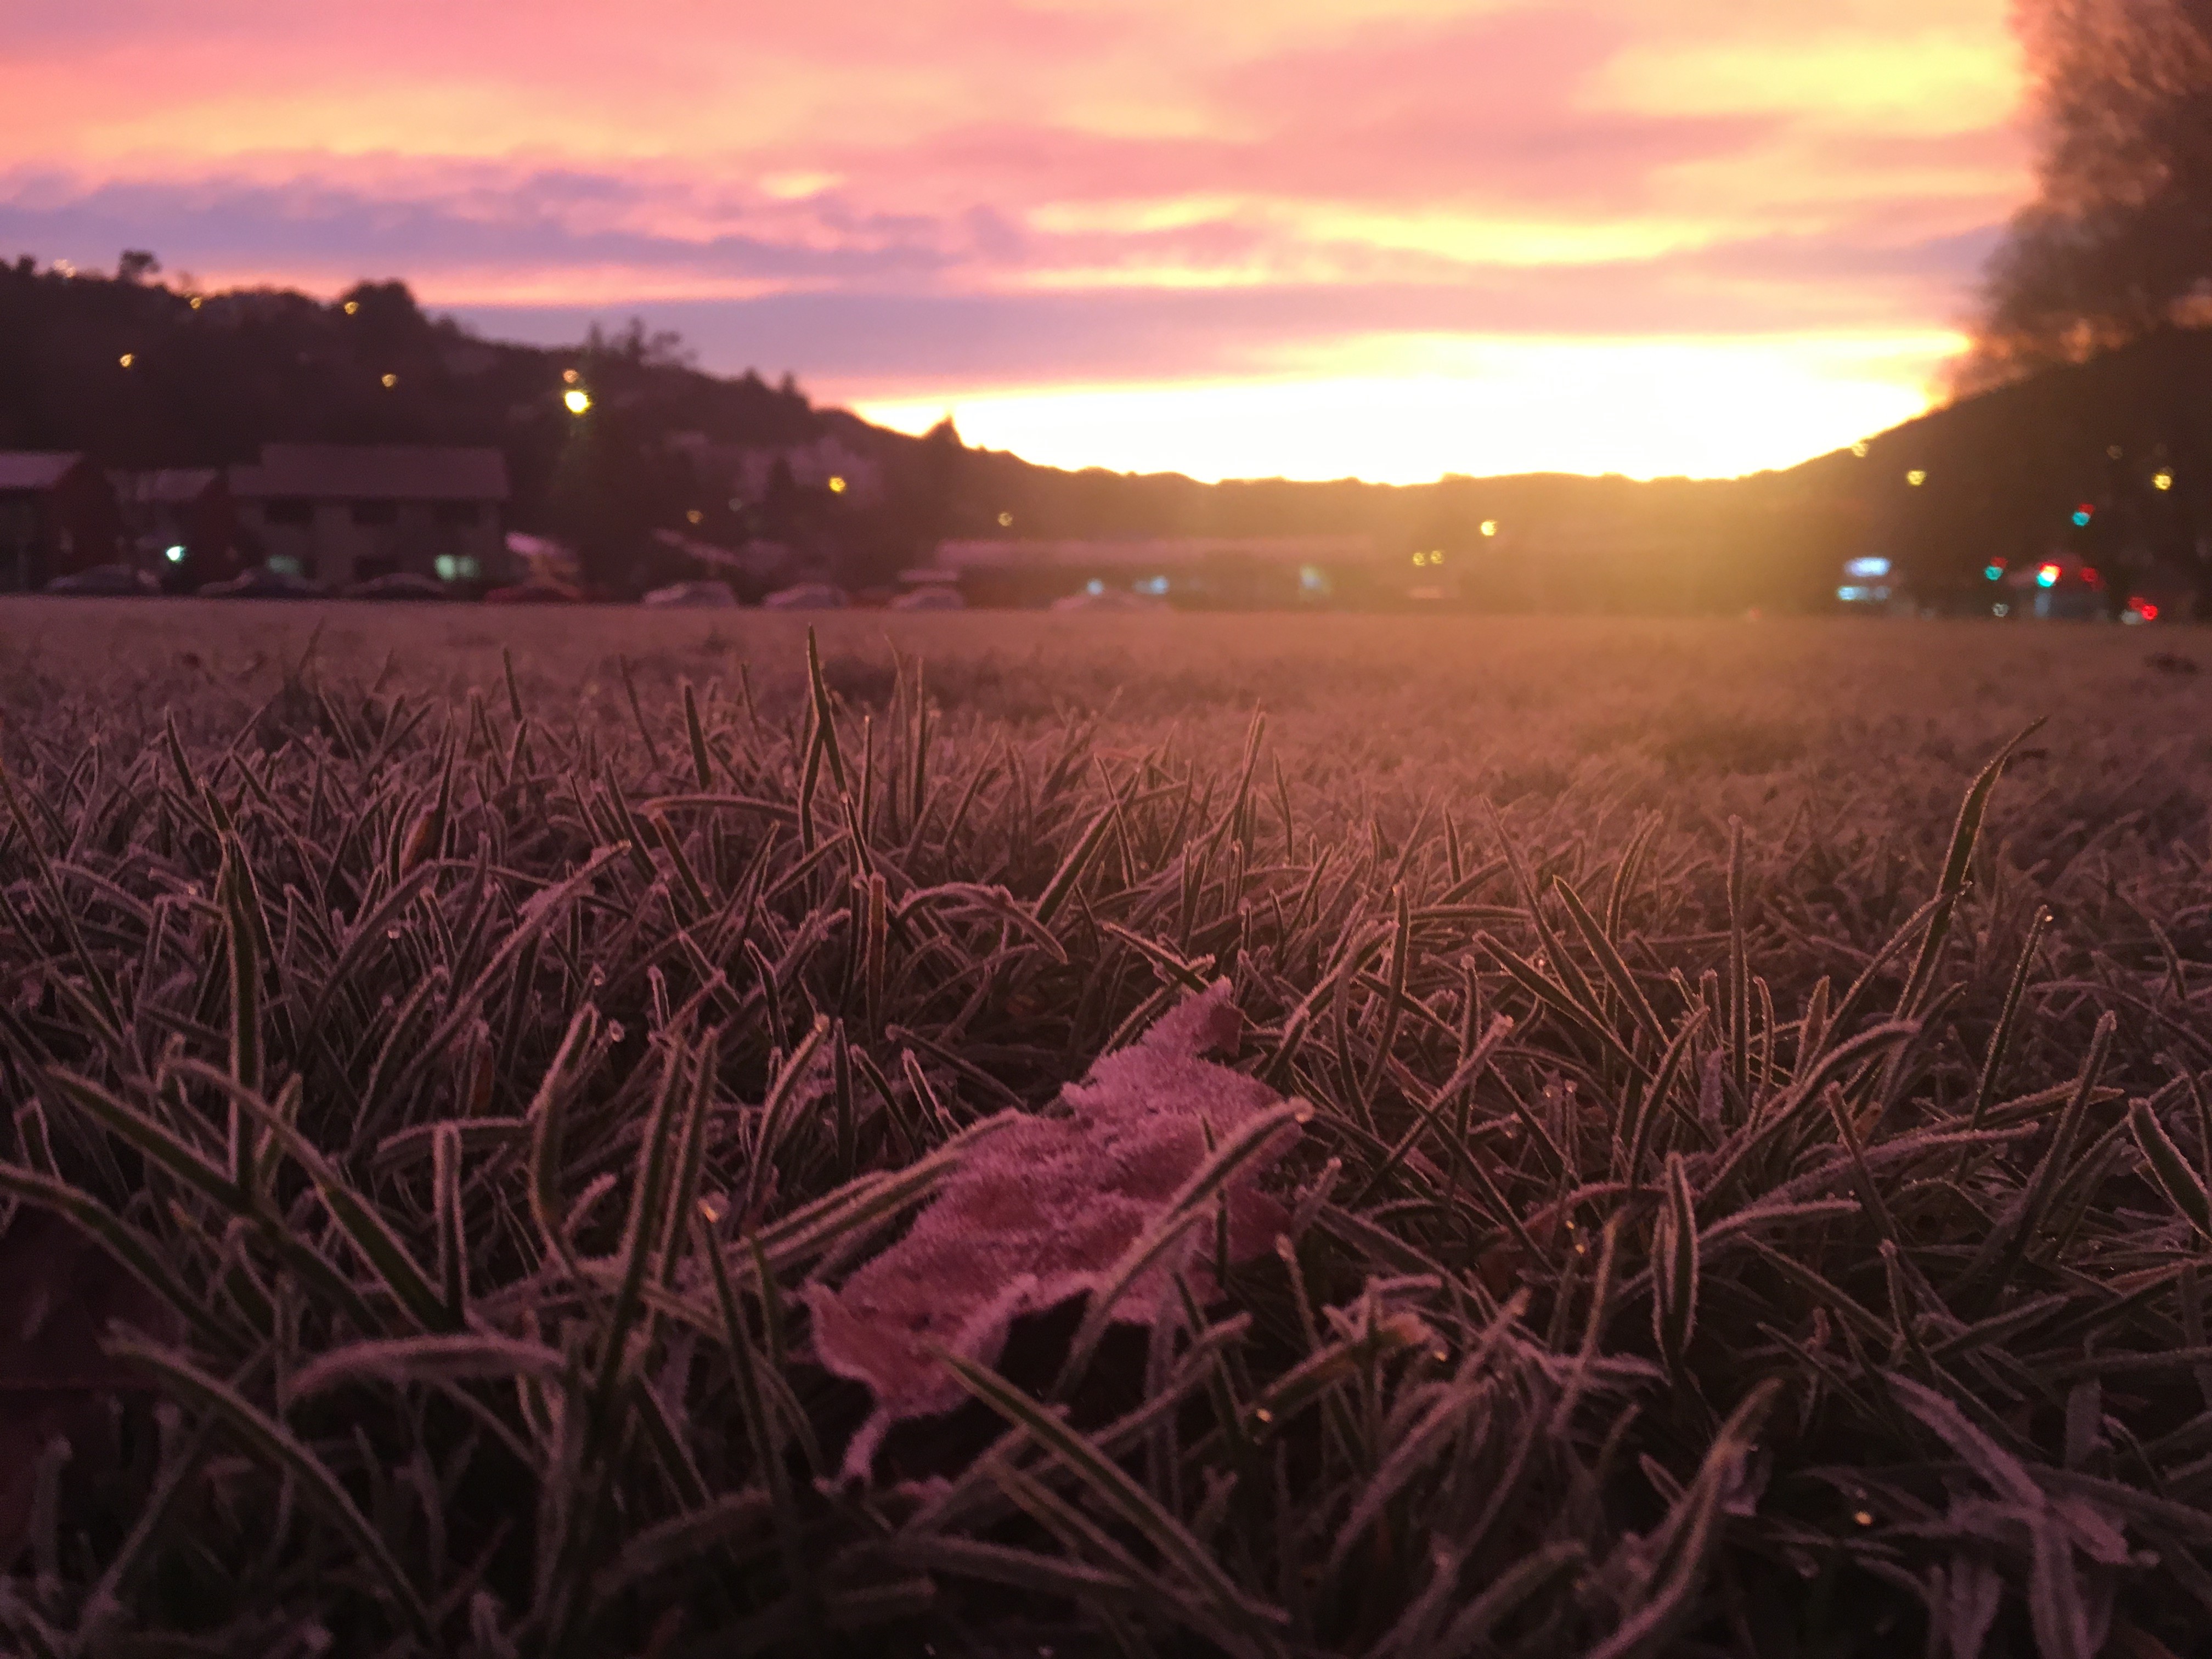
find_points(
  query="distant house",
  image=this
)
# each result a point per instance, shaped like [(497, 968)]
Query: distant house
[(346, 513), (1205, 572), (179, 522), (57, 515), (750, 472)]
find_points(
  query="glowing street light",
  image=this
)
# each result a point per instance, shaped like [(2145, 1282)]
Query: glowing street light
[(1916, 478), (175, 554), (693, 515), (568, 377), (127, 359), (1490, 527), (577, 399), (351, 306), (390, 382), (2161, 479), (836, 486)]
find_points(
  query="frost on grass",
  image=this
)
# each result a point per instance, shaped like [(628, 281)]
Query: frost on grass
[(1044, 1212)]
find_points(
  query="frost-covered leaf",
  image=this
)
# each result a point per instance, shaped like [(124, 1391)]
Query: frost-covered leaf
[(1045, 1211)]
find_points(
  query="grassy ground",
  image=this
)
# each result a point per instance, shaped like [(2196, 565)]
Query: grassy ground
[(1810, 1266)]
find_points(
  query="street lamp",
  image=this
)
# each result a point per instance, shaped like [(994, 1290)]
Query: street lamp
[(577, 399), (1490, 527)]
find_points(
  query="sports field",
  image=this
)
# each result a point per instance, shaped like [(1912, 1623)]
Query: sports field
[(570, 1103)]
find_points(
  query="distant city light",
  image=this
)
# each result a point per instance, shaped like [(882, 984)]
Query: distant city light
[(836, 486), (1312, 579), (127, 359), (1432, 557), (1916, 478), (2001, 610), (1490, 527), (2161, 479), (2089, 574), (568, 377), (1994, 572), (1859, 449), (351, 306), (174, 554), (1151, 585), (2047, 576), (1094, 587), (693, 516), (1866, 568), (1851, 593), (196, 302), (390, 382), (2144, 609), (1006, 520), (2083, 514), (2114, 451), (577, 399)]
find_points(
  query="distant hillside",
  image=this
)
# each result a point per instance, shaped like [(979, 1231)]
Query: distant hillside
[(211, 378)]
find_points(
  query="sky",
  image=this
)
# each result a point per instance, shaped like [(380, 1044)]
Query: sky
[(1389, 238)]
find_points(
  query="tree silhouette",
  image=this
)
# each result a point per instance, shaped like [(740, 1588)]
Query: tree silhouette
[(2117, 244)]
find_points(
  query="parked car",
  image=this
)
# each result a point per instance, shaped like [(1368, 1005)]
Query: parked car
[(930, 598), (262, 583), (535, 594), (1110, 600), (107, 581), (806, 596), (400, 584), (692, 596)]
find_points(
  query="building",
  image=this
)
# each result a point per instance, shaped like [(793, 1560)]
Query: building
[(1199, 572), (56, 516), (750, 472), (177, 522), (341, 513)]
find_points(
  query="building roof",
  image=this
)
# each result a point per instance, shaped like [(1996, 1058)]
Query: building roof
[(388, 473), (165, 485), (35, 469), (1159, 552)]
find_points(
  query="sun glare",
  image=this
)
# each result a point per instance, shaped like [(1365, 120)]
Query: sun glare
[(1645, 408)]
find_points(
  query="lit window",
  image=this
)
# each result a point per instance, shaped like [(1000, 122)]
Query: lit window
[(1866, 568), (447, 566)]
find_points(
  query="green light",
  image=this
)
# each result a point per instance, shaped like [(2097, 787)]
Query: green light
[(1994, 572)]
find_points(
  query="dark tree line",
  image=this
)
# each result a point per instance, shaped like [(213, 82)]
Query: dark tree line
[(2117, 245)]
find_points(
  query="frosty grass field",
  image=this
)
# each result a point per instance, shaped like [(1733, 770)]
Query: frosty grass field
[(570, 1106)]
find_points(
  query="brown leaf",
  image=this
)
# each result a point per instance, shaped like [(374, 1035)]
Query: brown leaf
[(1043, 1212)]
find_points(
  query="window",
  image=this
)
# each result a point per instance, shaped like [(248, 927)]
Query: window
[(283, 564), (375, 512), (452, 569), (457, 514), (289, 510)]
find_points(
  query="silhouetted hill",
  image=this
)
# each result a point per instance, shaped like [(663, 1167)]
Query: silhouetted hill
[(211, 378)]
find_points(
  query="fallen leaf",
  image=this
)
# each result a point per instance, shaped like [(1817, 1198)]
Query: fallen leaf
[(1044, 1212)]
